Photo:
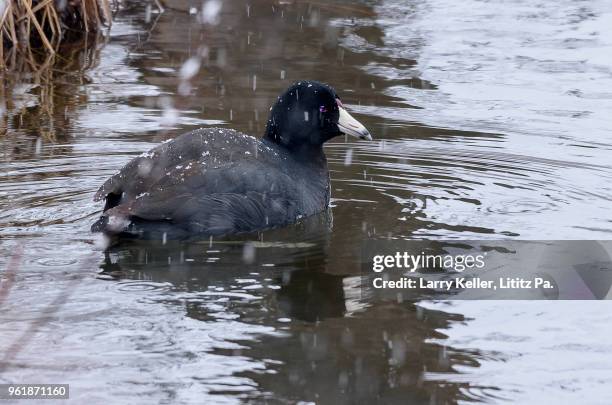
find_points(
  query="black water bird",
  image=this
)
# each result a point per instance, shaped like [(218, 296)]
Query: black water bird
[(216, 181)]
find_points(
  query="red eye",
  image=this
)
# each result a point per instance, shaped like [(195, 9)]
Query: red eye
[(339, 103)]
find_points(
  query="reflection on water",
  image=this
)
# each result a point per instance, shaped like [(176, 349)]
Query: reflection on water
[(481, 133), (330, 346)]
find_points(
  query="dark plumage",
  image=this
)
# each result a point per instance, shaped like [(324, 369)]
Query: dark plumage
[(219, 181)]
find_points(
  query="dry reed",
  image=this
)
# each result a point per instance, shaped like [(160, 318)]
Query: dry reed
[(31, 24)]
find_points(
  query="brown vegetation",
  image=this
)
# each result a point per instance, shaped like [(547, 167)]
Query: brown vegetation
[(34, 24)]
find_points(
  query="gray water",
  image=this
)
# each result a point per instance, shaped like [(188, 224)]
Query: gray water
[(490, 121)]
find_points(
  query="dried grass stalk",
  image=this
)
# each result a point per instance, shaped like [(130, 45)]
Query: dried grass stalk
[(31, 24)]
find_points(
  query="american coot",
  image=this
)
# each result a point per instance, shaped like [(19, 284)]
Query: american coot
[(217, 181)]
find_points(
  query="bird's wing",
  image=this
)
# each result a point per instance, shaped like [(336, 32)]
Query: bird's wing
[(218, 199)]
